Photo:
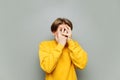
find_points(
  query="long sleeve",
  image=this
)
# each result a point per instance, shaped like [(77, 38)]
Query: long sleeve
[(49, 56), (77, 54)]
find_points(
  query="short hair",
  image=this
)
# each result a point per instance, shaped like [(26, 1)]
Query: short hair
[(60, 21)]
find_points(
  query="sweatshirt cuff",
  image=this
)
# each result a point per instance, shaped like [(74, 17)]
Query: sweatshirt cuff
[(70, 42), (60, 46)]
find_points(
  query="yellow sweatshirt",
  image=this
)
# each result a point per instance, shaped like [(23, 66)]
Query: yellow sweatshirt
[(59, 62)]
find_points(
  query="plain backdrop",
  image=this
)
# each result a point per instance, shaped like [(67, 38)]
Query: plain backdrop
[(25, 23)]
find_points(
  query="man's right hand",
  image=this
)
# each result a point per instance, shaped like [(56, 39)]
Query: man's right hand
[(61, 38)]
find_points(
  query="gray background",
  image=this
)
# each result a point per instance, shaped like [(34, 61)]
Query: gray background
[(25, 23)]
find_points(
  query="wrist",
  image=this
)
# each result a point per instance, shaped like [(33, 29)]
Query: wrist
[(62, 43), (69, 37)]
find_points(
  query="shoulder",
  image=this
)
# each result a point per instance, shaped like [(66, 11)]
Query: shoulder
[(73, 41), (76, 41), (46, 42)]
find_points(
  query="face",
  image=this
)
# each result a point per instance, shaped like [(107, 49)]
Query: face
[(60, 27)]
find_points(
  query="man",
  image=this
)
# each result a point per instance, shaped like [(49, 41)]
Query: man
[(60, 57)]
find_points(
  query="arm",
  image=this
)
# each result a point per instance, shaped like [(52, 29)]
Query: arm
[(77, 54), (49, 57)]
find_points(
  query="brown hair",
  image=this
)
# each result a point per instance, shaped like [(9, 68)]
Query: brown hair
[(60, 21)]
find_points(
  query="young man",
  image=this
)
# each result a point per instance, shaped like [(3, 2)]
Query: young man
[(60, 57)]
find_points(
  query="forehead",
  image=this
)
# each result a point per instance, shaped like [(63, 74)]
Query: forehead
[(62, 25)]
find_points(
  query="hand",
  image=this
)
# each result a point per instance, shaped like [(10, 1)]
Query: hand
[(66, 31), (61, 38)]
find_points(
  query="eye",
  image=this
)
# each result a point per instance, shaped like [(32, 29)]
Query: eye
[(60, 29), (64, 29)]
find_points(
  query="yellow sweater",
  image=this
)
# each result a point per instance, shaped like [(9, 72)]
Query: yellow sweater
[(59, 62)]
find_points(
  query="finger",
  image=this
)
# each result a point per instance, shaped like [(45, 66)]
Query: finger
[(68, 27), (64, 34), (62, 30), (66, 31)]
